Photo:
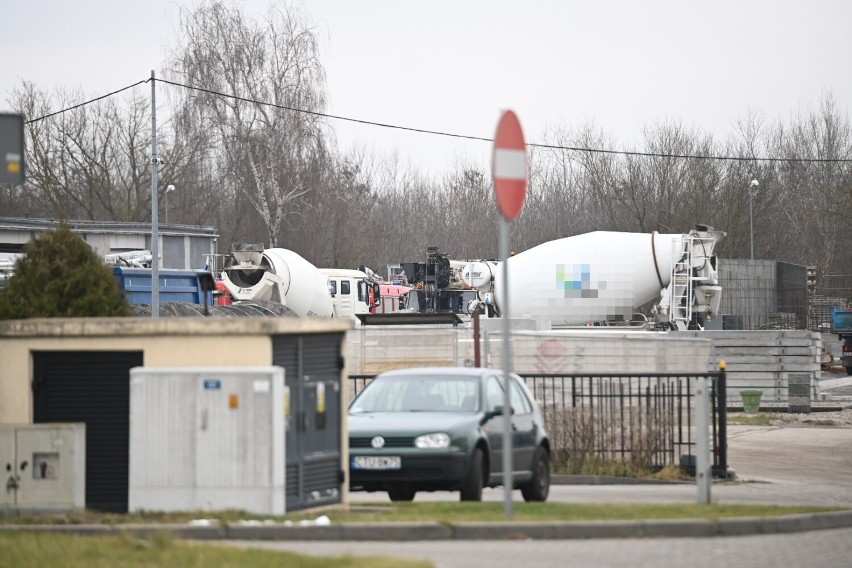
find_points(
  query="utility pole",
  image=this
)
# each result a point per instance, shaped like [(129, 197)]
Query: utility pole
[(155, 236), (751, 189)]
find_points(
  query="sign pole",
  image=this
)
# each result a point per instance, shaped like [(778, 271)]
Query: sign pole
[(507, 369), (509, 168), (703, 465)]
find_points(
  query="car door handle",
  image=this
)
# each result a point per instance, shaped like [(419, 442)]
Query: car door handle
[(514, 427)]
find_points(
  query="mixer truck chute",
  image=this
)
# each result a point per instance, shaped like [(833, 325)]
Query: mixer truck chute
[(277, 275)]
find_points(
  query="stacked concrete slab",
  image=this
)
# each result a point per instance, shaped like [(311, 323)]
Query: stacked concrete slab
[(768, 361)]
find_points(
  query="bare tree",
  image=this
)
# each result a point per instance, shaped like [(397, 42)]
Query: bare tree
[(398, 231), (259, 86), (93, 161), (89, 162), (558, 203), (333, 227), (817, 197), (598, 175)]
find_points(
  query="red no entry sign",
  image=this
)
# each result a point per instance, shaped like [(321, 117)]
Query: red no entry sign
[(509, 166)]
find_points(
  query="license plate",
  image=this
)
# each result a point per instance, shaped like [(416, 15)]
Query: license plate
[(376, 462)]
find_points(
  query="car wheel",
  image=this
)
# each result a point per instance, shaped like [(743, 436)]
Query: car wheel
[(401, 494), (539, 486), (472, 488)]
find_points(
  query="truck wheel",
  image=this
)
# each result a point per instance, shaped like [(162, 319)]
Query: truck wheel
[(849, 370), (472, 488), (401, 494), (537, 488)]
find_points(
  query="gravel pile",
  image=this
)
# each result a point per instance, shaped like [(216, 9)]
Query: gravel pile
[(840, 418)]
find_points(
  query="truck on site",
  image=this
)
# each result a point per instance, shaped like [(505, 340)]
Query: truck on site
[(176, 285), (394, 294), (841, 324), (353, 292), (277, 275), (438, 283), (396, 297), (603, 276), (282, 276)]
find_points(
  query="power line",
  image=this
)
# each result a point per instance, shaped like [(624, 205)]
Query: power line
[(531, 144), (453, 135), (325, 115), (85, 103), (690, 156)]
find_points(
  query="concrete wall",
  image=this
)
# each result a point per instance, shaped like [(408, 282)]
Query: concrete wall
[(768, 294), (372, 350), (606, 351)]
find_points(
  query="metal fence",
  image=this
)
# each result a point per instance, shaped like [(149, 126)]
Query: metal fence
[(647, 420)]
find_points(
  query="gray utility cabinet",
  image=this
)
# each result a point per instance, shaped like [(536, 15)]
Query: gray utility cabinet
[(44, 467), (207, 439)]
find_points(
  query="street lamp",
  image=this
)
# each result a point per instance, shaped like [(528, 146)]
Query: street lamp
[(171, 188), (754, 183)]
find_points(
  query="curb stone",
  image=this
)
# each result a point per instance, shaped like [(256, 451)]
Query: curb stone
[(685, 528)]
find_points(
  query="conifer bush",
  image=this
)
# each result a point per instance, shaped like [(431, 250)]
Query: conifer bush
[(61, 276)]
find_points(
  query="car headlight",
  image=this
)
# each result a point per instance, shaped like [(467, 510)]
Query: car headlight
[(436, 440)]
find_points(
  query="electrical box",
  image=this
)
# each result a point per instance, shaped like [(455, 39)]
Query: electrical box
[(207, 439), (44, 467)]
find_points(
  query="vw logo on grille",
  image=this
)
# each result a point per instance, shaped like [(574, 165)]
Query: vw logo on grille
[(378, 442)]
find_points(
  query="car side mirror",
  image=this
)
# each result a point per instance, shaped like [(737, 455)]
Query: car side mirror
[(497, 411)]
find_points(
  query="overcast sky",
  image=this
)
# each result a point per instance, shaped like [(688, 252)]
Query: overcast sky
[(453, 65)]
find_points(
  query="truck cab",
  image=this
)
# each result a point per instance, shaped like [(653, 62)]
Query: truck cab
[(352, 292), (395, 297), (841, 324)]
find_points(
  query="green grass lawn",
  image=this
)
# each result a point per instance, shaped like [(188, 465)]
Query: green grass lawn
[(36, 550), (449, 512), (442, 512)]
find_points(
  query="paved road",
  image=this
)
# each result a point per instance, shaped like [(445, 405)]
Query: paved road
[(790, 465), (774, 466), (818, 549)]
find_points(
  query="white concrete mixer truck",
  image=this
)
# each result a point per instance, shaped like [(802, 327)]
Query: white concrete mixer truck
[(277, 275), (605, 276)]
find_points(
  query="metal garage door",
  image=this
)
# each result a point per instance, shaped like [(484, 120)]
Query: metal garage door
[(91, 387)]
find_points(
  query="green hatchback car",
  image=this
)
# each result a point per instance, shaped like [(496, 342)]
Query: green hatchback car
[(441, 429)]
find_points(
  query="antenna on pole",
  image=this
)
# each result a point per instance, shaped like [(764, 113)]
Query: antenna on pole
[(155, 236)]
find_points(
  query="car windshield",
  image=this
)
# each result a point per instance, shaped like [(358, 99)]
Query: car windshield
[(418, 393)]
